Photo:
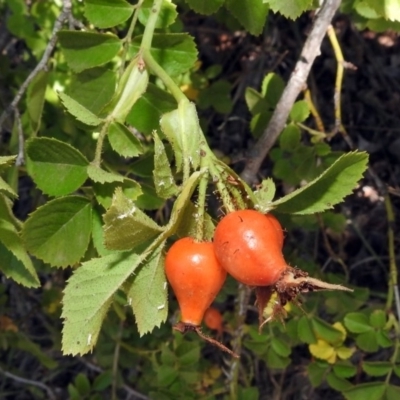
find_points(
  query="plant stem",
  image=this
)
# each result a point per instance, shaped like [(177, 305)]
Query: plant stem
[(128, 37), (151, 25), (115, 362), (201, 204), (100, 141)]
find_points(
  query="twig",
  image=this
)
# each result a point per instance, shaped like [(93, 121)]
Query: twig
[(42, 65), (20, 158), (296, 83), (40, 385)]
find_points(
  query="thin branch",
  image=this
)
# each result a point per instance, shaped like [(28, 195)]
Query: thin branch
[(40, 385), (42, 65), (21, 141), (297, 81)]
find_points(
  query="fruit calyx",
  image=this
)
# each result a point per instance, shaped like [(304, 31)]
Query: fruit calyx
[(184, 327)]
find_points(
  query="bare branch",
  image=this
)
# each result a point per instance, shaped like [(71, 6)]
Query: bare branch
[(311, 50), (42, 65)]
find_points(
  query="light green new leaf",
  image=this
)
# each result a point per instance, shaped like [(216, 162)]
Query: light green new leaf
[(328, 189), (79, 111), (96, 174), (264, 195), (182, 129), (289, 139), (163, 179), (146, 112), (300, 111), (7, 161), (149, 294), (252, 14), (205, 7), (388, 9), (272, 88), (15, 262), (93, 88), (123, 141), (290, 8), (166, 16), (7, 214), (183, 200), (35, 99), (255, 101), (88, 296), (107, 13), (98, 233), (84, 50), (175, 52), (59, 232), (56, 167), (126, 226)]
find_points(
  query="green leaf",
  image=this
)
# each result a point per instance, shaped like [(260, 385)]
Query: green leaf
[(205, 7), (96, 174), (274, 360), (6, 162), (255, 101), (146, 112), (103, 381), (182, 129), (370, 391), (264, 195), (344, 369), (79, 111), (337, 383), (388, 9), (327, 332), (378, 319), (84, 50), (367, 341), (377, 368), (59, 232), (163, 179), (15, 262), (289, 139), (272, 88), (328, 189), (148, 293), (82, 383), (290, 8), (7, 214), (357, 323), (178, 210), (56, 167), (93, 88), (98, 233), (300, 111), (166, 16), (392, 392), (35, 99), (281, 347), (6, 189), (175, 52), (123, 141), (218, 96), (88, 296), (107, 13), (316, 372), (251, 14), (305, 330), (126, 226), (383, 339)]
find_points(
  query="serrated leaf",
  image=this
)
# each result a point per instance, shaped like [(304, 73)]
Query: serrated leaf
[(96, 174), (84, 50), (300, 111), (7, 214), (264, 194), (148, 293), (146, 112), (251, 14), (290, 8), (59, 232), (107, 13), (7, 161), (98, 234), (123, 141), (79, 111), (188, 225), (183, 200), (357, 323), (56, 167), (35, 99), (163, 179), (6, 189), (166, 16), (328, 189), (15, 262), (370, 391), (93, 88), (87, 297), (175, 52), (126, 226), (205, 7), (388, 9), (182, 129), (377, 368)]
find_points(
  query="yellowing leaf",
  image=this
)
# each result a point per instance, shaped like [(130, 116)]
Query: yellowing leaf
[(345, 352), (322, 350), (339, 326)]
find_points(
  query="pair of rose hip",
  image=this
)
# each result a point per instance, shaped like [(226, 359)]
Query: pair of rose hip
[(248, 245)]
